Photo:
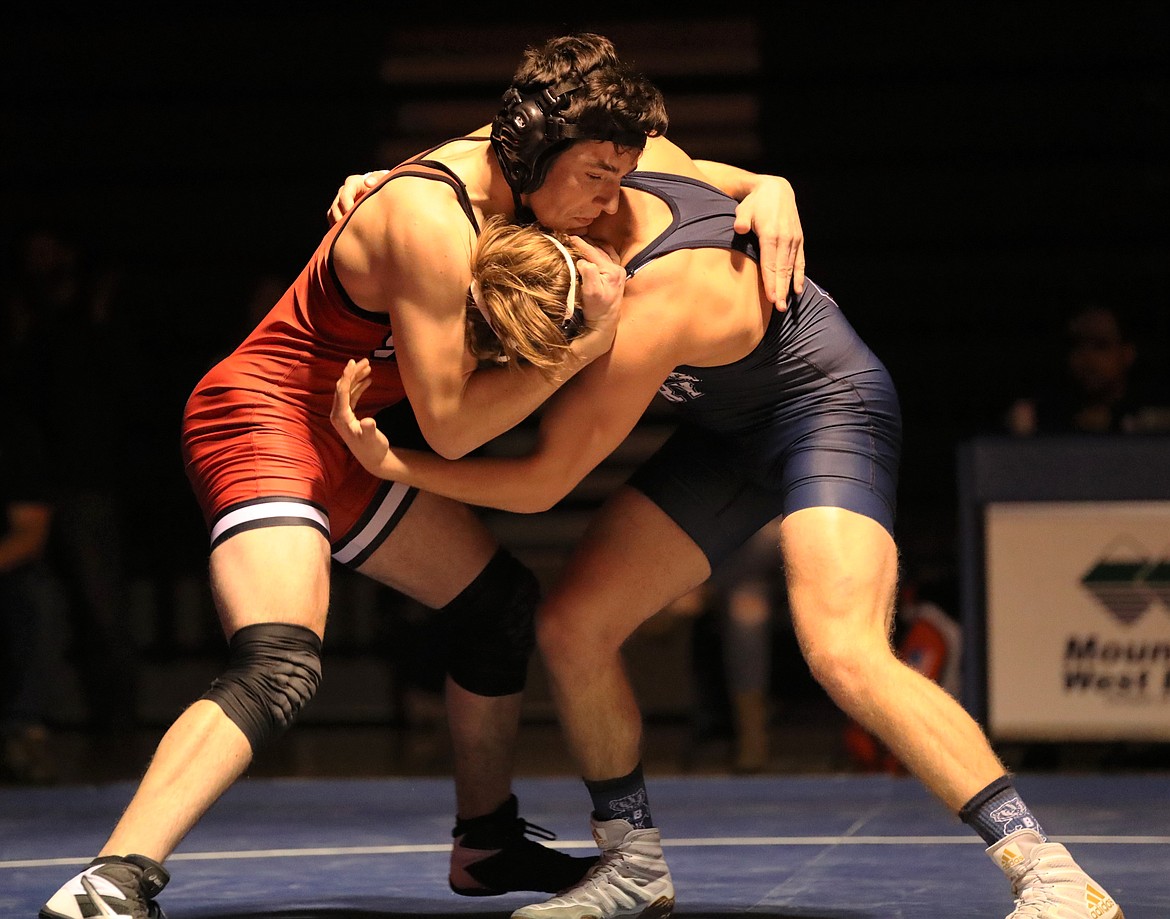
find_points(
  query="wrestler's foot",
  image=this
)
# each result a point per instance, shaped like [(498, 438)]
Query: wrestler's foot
[(114, 886), (493, 855), (630, 881), (1047, 883)]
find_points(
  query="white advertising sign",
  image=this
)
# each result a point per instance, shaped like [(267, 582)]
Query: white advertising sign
[(1078, 620)]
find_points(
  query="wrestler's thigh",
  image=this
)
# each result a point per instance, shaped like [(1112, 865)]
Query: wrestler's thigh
[(632, 561), (841, 569), (272, 574), (435, 551)]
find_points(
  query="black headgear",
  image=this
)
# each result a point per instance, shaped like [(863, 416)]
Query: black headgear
[(528, 131)]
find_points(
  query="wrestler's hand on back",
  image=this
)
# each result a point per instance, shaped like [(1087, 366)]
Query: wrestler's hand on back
[(770, 211), (351, 191), (767, 206)]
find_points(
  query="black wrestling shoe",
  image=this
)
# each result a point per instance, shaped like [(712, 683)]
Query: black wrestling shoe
[(113, 887), (493, 855)]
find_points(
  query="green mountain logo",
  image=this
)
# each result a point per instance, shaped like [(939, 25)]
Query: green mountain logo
[(1128, 584)]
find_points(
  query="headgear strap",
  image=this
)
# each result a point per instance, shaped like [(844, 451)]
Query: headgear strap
[(571, 299)]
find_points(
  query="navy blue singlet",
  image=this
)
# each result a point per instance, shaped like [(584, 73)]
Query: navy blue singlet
[(809, 418)]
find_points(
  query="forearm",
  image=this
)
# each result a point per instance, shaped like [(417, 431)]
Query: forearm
[(461, 411), (731, 180), (509, 484), (739, 183), (491, 402)]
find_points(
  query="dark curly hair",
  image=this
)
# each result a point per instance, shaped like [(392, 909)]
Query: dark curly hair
[(572, 87)]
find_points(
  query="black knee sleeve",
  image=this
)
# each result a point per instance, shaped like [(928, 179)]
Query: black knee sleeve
[(490, 628), (273, 671)]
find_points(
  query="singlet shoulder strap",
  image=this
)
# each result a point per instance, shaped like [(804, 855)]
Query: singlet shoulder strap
[(420, 167), (440, 172), (702, 217)]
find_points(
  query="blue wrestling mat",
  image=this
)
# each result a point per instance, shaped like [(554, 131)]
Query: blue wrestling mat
[(818, 847)]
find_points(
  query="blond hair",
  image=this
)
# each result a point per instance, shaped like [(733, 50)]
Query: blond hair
[(522, 313)]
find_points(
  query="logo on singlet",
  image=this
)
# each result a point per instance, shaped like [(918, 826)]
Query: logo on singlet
[(680, 387)]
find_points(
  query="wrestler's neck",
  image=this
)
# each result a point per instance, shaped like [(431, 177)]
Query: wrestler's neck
[(477, 168)]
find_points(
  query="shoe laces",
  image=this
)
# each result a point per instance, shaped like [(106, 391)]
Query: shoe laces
[(127, 882), (1032, 891), (1031, 904), (523, 828), (615, 874)]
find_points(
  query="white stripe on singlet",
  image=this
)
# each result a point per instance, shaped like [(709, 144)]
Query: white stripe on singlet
[(259, 511), (349, 550)]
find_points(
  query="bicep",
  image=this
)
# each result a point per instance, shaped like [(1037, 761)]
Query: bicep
[(428, 323), (407, 252), (426, 298)]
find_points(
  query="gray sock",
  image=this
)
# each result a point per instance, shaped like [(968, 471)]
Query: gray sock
[(622, 799), (998, 811)]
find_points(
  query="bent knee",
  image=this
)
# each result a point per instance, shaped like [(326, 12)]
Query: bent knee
[(489, 628), (273, 672), (849, 667), (567, 638)]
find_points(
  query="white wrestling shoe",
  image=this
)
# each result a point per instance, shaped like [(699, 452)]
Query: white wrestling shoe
[(629, 881), (1047, 883), (113, 887)]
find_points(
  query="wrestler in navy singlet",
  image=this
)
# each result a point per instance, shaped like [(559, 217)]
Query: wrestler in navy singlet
[(809, 418)]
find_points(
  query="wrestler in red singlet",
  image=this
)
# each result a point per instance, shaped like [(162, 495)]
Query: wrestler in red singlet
[(257, 443)]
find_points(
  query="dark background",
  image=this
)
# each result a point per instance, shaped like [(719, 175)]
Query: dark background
[(964, 175)]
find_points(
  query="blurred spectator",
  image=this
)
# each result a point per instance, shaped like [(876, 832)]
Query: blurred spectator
[(749, 589), (733, 650), (1099, 389), (63, 348), (26, 505)]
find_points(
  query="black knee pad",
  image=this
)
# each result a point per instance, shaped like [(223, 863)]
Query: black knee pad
[(490, 628), (273, 671)]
